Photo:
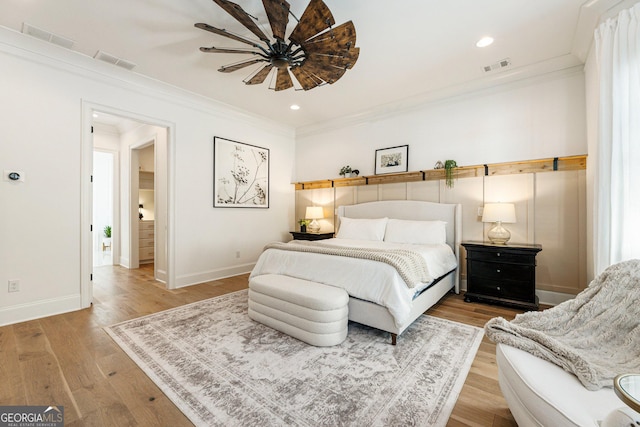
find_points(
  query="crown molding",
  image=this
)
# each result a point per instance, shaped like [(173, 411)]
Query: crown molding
[(552, 69), (38, 51)]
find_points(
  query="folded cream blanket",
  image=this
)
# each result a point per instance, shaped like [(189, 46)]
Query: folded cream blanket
[(595, 336), (411, 266)]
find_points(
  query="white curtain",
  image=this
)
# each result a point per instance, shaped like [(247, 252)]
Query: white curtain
[(617, 178)]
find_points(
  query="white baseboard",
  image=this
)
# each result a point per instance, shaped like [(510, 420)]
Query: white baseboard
[(553, 298), (38, 309), (161, 276), (207, 276)]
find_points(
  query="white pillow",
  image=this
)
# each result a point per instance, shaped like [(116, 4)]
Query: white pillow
[(362, 229), (416, 232)]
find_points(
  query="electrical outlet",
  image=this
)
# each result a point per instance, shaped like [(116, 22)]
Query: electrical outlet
[(237, 254), (14, 286)]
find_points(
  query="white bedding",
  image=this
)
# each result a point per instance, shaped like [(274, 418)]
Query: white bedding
[(365, 279)]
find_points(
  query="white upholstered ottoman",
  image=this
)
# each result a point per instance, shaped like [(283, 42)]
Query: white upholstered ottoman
[(312, 312)]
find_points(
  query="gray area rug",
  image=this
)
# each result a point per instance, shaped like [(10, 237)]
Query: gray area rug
[(222, 368)]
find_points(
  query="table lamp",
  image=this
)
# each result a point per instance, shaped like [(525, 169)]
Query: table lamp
[(314, 213), (499, 213)]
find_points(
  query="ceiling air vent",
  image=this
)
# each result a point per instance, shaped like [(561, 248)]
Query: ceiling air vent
[(46, 36), (497, 66), (106, 57)]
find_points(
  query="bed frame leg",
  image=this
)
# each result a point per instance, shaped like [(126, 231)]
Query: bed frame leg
[(394, 338)]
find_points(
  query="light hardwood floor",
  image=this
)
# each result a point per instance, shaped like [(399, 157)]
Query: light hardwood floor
[(69, 360)]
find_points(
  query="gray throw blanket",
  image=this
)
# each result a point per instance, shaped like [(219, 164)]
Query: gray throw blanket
[(595, 336), (410, 265)]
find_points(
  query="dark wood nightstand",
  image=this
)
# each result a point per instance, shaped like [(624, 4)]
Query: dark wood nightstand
[(502, 273), (297, 235)]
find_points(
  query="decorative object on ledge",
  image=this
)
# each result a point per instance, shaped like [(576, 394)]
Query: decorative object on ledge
[(240, 175), (303, 225), (438, 165), (392, 160), (314, 213), (563, 164), (499, 213), (345, 171), (355, 172), (449, 166), (316, 52)]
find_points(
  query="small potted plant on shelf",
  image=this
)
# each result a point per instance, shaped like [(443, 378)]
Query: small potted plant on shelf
[(303, 225), (346, 171), (449, 166)]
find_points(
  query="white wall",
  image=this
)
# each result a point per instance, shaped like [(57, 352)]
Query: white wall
[(44, 89), (531, 119)]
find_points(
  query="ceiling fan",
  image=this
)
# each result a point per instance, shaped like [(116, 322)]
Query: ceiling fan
[(316, 53)]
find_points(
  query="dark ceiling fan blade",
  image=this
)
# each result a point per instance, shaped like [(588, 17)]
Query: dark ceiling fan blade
[(316, 18), (327, 73), (342, 60), (283, 80), (225, 50), (243, 17), (225, 33), (306, 80), (342, 37), (278, 14), (260, 75), (238, 66)]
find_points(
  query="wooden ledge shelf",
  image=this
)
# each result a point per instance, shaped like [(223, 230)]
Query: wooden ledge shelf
[(527, 166)]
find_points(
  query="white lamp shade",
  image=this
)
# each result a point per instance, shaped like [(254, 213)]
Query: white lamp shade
[(503, 212), (314, 212)]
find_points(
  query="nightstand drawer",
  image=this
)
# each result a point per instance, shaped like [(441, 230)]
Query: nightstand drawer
[(502, 256), (497, 271), (507, 289), (297, 235)]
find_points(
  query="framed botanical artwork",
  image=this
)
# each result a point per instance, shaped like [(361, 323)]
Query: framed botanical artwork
[(392, 160), (240, 175)]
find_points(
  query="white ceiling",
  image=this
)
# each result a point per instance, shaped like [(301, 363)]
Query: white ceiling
[(409, 49)]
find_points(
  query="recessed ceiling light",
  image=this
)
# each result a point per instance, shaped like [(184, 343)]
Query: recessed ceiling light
[(484, 42), (295, 107), (95, 115)]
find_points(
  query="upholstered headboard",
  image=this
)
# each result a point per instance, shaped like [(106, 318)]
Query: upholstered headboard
[(413, 210)]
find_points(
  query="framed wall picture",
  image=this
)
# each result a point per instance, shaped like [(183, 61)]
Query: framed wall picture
[(240, 175), (392, 160)]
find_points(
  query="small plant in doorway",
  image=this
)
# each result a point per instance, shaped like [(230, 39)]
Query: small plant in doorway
[(106, 242)]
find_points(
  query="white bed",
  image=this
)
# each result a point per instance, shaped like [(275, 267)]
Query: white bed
[(389, 305)]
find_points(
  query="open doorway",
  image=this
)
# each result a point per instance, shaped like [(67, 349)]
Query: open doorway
[(120, 133), (103, 207), (143, 164)]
